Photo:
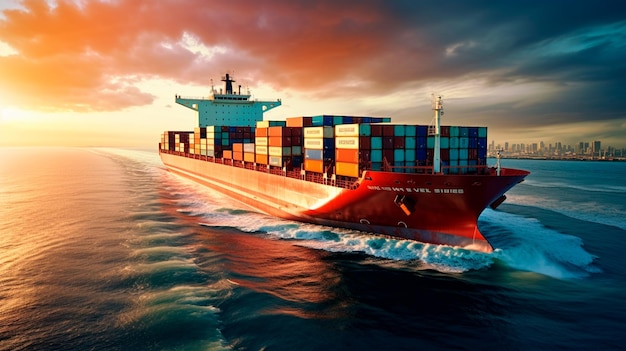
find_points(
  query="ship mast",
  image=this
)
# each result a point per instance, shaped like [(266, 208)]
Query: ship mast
[(438, 108)]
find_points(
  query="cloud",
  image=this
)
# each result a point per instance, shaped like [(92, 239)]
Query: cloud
[(88, 56)]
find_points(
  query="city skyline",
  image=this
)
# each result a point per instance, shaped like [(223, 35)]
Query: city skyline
[(105, 73), (558, 149)]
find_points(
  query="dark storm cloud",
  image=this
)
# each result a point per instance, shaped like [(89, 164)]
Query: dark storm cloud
[(574, 48)]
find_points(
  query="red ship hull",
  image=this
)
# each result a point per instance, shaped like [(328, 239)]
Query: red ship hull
[(430, 208)]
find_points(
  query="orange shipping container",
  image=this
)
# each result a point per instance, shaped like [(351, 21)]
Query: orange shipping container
[(347, 169), (238, 147), (314, 166), (278, 131), (260, 132), (238, 155), (262, 159), (347, 155), (248, 156), (279, 141), (228, 154), (299, 121)]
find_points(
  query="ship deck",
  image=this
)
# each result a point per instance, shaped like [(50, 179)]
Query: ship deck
[(337, 181)]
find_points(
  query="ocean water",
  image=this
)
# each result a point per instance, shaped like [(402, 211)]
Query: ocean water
[(103, 249)]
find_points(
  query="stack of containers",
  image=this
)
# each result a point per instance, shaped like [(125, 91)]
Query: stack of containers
[(168, 140), (319, 148), (326, 141), (261, 145), (237, 152), (181, 141), (462, 148), (352, 148), (199, 134), (248, 152), (215, 140), (279, 145)]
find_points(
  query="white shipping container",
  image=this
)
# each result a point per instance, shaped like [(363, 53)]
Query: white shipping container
[(280, 151), (276, 161), (319, 132), (347, 142), (314, 143), (347, 130)]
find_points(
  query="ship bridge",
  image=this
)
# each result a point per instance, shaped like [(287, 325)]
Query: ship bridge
[(228, 108)]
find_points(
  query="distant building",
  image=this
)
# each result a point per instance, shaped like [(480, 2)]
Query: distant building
[(596, 148)]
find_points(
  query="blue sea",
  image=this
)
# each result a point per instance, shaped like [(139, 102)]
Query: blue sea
[(104, 249)]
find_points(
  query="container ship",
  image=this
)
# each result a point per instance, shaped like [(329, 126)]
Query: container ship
[(428, 183)]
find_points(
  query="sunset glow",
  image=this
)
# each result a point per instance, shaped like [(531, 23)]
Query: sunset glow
[(105, 72)]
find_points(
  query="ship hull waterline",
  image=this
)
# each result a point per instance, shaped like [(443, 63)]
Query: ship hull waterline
[(436, 208)]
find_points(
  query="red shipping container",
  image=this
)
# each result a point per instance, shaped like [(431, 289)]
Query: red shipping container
[(388, 130), (364, 156), (388, 155), (377, 130), (398, 142), (365, 143), (296, 141), (445, 154), (445, 131), (388, 143), (472, 154)]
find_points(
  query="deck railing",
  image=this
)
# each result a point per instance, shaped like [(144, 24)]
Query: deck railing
[(338, 181)]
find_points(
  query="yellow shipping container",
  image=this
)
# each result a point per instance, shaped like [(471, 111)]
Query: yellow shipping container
[(261, 150), (249, 156), (261, 141), (347, 169)]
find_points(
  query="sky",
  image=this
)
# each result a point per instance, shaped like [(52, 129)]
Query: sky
[(105, 73)]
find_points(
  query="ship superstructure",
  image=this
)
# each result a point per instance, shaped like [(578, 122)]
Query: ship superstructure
[(427, 183)]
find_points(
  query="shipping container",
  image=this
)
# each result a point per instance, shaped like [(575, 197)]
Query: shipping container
[(249, 156), (347, 155), (314, 165), (346, 130), (267, 124), (279, 141), (261, 150), (347, 169), (299, 121), (347, 142), (279, 151), (319, 132), (261, 159)]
